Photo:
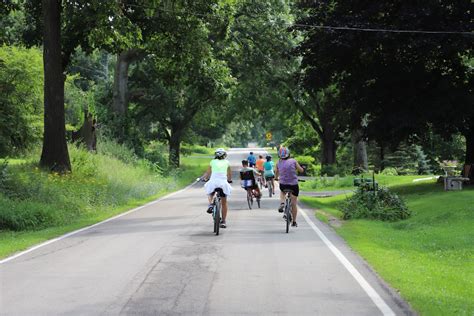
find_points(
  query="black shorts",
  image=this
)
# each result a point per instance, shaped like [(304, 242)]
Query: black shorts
[(295, 189), (251, 164)]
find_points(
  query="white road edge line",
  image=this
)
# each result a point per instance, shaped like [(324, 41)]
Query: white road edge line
[(93, 225), (378, 301)]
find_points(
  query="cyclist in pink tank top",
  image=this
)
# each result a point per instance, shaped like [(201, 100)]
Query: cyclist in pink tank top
[(286, 173)]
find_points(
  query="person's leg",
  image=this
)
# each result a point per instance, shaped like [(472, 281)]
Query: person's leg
[(209, 207), (224, 208), (294, 206)]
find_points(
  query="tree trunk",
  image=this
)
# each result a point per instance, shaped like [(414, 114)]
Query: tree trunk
[(120, 90), (55, 153), (360, 151), (469, 158), (382, 157), (329, 147), (87, 133), (175, 146)]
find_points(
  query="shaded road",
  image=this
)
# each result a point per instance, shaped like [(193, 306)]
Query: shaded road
[(164, 260)]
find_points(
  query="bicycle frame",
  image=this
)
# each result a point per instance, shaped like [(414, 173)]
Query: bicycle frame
[(287, 210), (216, 210)]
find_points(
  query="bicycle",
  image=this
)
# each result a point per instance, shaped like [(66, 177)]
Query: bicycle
[(217, 209), (260, 182), (287, 215), (287, 210), (271, 190), (216, 206), (250, 196)]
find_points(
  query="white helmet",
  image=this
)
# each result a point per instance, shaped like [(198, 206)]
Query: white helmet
[(220, 153)]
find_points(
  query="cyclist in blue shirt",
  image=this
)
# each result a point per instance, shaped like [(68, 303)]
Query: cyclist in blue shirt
[(252, 160), (269, 170)]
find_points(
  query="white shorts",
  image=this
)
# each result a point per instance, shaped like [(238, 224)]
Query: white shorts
[(218, 181)]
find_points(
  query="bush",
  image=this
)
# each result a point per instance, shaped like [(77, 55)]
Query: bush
[(31, 198), (157, 154), (187, 149), (329, 170), (389, 172), (113, 149), (309, 161), (381, 205)]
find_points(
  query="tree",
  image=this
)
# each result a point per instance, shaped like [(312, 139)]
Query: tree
[(181, 75), (21, 96), (54, 154), (85, 24), (399, 81)]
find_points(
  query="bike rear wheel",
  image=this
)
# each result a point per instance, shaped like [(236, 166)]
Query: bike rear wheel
[(288, 216), (249, 199), (217, 218), (270, 188)]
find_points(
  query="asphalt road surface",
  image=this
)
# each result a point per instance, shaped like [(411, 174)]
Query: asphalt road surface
[(163, 259)]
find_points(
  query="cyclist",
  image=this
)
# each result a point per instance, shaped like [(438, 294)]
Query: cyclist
[(259, 166), (252, 160), (268, 170), (286, 172), (247, 177), (219, 175)]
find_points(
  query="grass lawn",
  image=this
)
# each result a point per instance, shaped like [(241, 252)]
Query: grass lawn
[(347, 183), (429, 257), (98, 189)]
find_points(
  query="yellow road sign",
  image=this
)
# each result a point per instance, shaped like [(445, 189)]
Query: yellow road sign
[(268, 136)]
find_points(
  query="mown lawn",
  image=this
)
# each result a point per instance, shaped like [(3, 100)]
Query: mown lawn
[(36, 206), (347, 183), (428, 257)]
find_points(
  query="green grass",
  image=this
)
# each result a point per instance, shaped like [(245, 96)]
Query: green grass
[(428, 257), (36, 205), (347, 183)]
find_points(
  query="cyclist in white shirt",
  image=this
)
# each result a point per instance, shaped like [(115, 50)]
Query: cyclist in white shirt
[(219, 175)]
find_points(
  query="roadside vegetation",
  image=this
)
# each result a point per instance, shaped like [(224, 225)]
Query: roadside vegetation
[(428, 257), (36, 205)]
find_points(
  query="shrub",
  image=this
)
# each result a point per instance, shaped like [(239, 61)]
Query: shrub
[(389, 172), (309, 162), (157, 154), (25, 215), (380, 205), (113, 149), (329, 170)]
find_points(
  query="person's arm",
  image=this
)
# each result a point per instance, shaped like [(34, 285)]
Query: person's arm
[(207, 174), (299, 168), (229, 174), (276, 173)]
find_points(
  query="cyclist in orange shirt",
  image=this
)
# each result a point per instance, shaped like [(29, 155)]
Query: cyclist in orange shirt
[(260, 169)]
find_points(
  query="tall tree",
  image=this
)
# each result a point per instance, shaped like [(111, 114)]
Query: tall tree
[(54, 154), (399, 80)]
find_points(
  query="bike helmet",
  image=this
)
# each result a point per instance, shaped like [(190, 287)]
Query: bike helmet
[(220, 153), (283, 153), (251, 152), (245, 162), (268, 157)]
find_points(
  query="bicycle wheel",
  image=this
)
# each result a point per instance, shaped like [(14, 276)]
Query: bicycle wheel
[(270, 188), (260, 183), (258, 202), (288, 216), (217, 217), (249, 199)]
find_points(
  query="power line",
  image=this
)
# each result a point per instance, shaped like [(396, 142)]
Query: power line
[(357, 29), (324, 27)]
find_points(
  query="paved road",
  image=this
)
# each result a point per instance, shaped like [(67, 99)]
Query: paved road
[(164, 260)]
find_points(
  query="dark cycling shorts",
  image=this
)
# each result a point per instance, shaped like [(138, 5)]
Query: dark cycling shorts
[(295, 189), (251, 164), (221, 191)]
